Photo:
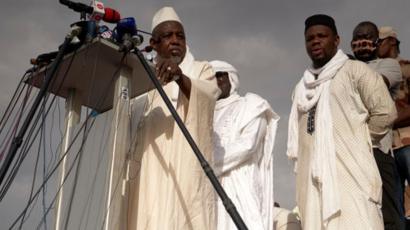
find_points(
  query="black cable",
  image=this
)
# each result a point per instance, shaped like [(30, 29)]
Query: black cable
[(12, 173), (91, 193), (15, 122), (27, 146), (69, 170), (41, 141), (44, 171), (19, 138), (12, 104), (69, 147), (23, 153), (34, 173), (74, 187), (51, 174), (144, 32)]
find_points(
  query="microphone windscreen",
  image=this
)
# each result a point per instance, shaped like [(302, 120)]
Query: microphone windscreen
[(111, 15)]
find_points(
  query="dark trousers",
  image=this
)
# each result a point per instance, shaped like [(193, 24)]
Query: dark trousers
[(402, 156), (392, 213)]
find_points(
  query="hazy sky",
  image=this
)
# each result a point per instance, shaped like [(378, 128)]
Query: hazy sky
[(262, 39)]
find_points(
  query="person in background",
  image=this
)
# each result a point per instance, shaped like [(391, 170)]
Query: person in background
[(389, 47), (244, 136), (364, 45)]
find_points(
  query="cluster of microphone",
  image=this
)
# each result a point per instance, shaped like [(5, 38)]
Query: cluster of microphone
[(125, 32)]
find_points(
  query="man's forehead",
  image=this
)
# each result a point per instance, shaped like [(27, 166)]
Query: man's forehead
[(318, 28), (168, 26), (364, 30)]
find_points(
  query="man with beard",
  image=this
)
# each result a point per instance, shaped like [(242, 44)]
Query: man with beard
[(364, 46), (339, 106), (168, 188)]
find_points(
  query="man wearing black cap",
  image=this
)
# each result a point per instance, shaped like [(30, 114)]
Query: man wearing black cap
[(339, 106)]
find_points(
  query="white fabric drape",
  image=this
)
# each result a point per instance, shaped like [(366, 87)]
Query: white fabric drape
[(245, 129)]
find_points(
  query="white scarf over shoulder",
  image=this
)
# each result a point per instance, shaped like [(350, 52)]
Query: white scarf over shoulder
[(310, 92)]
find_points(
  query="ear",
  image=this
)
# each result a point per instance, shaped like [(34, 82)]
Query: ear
[(337, 40), (153, 43)]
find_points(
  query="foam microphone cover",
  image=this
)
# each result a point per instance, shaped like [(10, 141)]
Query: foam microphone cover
[(111, 15)]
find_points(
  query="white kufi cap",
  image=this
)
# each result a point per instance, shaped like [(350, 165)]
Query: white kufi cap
[(166, 13)]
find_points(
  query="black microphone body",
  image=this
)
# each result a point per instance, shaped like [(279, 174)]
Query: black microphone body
[(78, 6), (109, 15)]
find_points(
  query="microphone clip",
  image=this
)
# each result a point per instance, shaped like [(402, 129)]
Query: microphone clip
[(130, 42), (126, 34)]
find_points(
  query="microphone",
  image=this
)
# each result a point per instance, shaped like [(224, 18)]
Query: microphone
[(105, 32), (106, 14), (129, 42), (111, 15), (126, 33), (97, 11), (44, 58)]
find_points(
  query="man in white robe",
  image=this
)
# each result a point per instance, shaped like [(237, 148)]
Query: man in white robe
[(244, 135), (168, 188), (339, 107)]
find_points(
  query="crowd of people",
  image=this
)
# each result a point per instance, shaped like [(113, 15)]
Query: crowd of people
[(348, 135)]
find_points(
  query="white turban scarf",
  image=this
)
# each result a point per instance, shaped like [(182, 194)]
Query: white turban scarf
[(221, 66)]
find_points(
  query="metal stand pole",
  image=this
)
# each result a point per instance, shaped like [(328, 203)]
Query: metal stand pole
[(72, 117)]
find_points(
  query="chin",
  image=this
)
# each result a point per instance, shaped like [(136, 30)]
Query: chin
[(320, 61), (364, 58), (176, 59)]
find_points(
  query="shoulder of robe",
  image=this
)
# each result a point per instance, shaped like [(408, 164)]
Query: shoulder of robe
[(258, 105), (203, 70), (357, 69)]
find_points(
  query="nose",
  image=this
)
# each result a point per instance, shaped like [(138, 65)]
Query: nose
[(175, 39), (315, 41)]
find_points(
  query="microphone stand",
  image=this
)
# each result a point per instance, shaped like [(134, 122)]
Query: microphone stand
[(18, 140), (229, 206)]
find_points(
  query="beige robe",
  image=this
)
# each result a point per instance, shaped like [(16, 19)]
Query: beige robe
[(361, 107), (168, 188)]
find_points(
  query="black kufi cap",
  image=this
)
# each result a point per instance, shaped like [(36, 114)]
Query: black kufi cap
[(320, 19)]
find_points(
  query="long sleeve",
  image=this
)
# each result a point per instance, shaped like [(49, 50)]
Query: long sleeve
[(241, 149), (380, 106), (390, 69)]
